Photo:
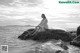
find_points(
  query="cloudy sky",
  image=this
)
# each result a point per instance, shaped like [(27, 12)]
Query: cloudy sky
[(28, 12)]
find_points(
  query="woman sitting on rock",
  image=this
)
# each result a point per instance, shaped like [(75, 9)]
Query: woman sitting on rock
[(42, 26)]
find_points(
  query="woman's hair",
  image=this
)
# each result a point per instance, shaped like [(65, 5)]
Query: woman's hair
[(43, 16)]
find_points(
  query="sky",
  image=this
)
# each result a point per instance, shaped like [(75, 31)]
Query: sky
[(28, 12)]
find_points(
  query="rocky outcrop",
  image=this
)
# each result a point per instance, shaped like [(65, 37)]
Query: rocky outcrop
[(47, 35)]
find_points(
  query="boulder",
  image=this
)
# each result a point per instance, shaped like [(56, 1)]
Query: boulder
[(46, 35)]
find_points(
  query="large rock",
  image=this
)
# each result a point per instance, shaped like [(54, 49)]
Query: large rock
[(47, 35)]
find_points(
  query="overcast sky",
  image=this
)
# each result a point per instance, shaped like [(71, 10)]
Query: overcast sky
[(24, 12)]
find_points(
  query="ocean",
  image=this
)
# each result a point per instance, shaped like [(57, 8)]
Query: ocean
[(9, 36)]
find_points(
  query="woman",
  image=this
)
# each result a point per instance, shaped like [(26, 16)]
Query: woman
[(42, 26)]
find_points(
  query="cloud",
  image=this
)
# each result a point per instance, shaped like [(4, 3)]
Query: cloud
[(13, 12), (29, 12), (23, 11), (18, 3), (12, 22), (72, 25), (5, 2), (34, 2)]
